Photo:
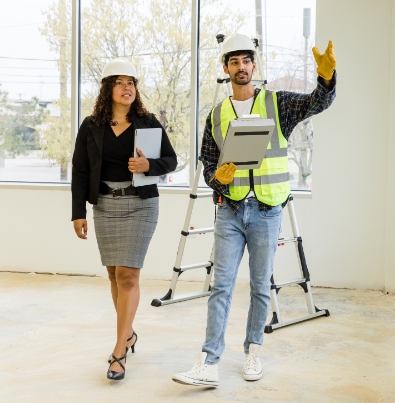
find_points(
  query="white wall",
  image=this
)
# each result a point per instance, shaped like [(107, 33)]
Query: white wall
[(390, 210), (351, 169), (347, 225)]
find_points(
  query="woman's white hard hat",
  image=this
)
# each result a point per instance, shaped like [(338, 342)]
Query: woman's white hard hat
[(236, 42), (119, 67)]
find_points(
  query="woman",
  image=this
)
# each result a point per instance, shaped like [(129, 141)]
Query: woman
[(125, 217)]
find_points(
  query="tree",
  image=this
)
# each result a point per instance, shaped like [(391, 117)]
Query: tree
[(56, 142), (19, 126), (300, 150), (289, 76), (158, 41)]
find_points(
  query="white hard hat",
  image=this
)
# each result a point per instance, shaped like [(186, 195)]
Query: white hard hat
[(236, 42), (119, 67)]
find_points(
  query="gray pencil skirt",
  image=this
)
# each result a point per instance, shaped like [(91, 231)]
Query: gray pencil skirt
[(124, 227)]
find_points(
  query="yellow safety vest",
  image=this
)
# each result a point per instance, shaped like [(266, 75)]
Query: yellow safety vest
[(271, 181)]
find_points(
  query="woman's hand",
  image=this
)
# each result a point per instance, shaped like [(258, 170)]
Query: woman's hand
[(140, 164), (81, 228)]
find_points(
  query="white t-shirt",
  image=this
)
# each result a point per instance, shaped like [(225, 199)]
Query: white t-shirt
[(242, 107)]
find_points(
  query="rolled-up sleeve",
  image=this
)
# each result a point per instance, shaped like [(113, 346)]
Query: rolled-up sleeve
[(294, 108)]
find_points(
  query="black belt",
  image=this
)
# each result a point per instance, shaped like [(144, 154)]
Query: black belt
[(116, 192)]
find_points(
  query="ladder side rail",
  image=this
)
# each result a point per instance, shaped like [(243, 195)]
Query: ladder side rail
[(259, 62), (210, 269), (302, 259), (188, 215), (274, 305), (309, 299), (292, 217), (184, 233), (298, 245)]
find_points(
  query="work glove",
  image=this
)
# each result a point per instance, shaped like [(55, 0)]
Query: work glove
[(225, 173), (326, 63)]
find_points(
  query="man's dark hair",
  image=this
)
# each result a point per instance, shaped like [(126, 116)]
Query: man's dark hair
[(249, 53)]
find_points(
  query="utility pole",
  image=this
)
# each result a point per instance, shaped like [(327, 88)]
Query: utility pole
[(259, 30), (306, 34), (62, 49), (258, 22)]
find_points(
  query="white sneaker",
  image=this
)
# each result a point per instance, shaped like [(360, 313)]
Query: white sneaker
[(200, 375), (252, 370)]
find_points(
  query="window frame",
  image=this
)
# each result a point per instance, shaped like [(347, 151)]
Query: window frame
[(76, 107)]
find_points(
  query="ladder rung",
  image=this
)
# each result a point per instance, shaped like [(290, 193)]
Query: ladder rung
[(201, 230), (299, 319), (287, 240), (186, 297), (195, 266), (290, 282), (253, 82), (206, 194)]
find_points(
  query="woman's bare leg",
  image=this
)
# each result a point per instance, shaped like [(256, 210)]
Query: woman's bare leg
[(113, 282), (128, 289)]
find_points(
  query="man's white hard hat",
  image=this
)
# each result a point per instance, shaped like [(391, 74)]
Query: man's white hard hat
[(119, 67), (236, 42)]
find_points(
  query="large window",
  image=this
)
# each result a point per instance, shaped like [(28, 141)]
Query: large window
[(36, 137), (156, 36), (285, 30)]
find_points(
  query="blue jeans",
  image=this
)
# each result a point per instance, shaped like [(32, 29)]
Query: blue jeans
[(259, 230)]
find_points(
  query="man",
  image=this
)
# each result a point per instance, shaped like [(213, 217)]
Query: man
[(250, 202)]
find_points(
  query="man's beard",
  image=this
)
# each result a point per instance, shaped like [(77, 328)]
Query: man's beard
[(241, 81)]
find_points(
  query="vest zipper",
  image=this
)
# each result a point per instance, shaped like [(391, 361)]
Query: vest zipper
[(251, 173)]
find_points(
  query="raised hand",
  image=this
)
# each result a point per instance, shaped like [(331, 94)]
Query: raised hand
[(326, 62)]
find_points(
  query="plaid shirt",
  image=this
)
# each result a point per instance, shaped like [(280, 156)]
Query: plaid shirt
[(292, 108)]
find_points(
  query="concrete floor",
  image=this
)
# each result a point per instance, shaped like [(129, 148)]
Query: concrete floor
[(56, 333)]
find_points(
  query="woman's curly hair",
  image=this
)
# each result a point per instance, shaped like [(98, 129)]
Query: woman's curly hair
[(102, 111)]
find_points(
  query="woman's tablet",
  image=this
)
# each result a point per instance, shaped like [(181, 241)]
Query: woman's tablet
[(149, 142)]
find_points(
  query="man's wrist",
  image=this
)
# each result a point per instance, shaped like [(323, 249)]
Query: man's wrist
[(328, 84)]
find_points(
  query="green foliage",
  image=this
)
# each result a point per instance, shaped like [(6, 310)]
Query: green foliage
[(56, 139), (19, 124), (156, 36)]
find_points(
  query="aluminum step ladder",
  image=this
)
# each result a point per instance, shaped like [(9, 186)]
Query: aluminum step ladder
[(303, 281), (170, 297)]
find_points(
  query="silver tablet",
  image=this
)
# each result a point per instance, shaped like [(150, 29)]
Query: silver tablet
[(246, 142), (149, 142)]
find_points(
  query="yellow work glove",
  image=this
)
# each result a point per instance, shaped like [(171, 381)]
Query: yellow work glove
[(326, 63), (225, 173)]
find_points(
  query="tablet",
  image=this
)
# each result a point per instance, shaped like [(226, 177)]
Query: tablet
[(246, 142), (149, 142)]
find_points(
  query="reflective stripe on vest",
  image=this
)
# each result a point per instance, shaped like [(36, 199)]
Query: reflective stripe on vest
[(271, 180)]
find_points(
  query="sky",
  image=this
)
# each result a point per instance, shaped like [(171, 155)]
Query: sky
[(28, 67)]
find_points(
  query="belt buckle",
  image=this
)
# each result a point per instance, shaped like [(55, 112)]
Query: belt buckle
[(113, 190)]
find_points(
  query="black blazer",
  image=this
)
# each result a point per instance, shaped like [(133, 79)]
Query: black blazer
[(87, 160)]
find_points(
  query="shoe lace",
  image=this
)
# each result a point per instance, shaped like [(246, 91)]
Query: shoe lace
[(196, 367), (251, 363)]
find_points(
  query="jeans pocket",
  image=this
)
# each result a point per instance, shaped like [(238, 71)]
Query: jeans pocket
[(222, 205), (273, 212)]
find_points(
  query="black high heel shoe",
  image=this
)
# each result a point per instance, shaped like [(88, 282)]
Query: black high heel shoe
[(113, 375), (130, 338), (127, 348)]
